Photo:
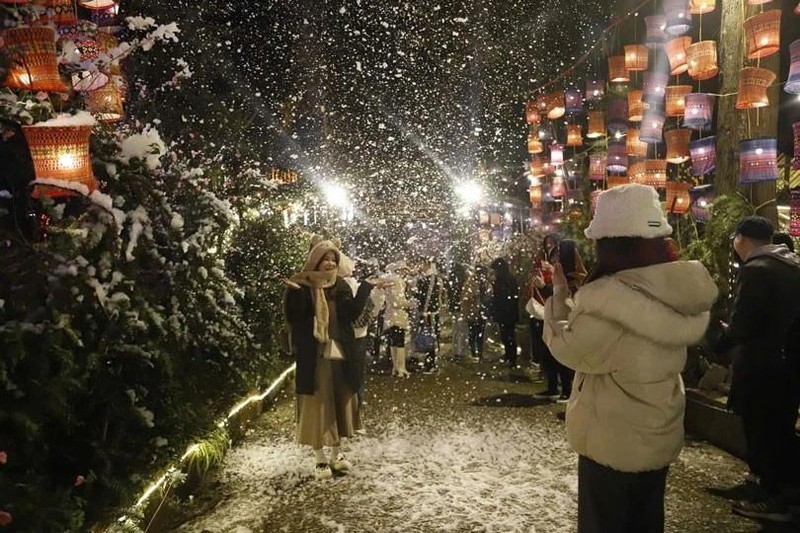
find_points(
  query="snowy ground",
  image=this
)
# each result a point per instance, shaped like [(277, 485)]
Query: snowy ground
[(467, 450)]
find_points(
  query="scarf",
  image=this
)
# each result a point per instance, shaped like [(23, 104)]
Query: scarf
[(318, 281)]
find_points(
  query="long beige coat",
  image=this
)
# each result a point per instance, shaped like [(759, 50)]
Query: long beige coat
[(626, 337)]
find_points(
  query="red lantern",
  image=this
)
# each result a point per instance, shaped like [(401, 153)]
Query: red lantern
[(556, 154), (558, 188), (34, 60), (597, 125), (678, 199), (676, 52), (763, 34)]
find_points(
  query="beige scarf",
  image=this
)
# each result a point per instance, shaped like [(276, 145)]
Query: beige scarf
[(318, 281)]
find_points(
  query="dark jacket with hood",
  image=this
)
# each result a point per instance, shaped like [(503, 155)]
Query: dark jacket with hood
[(306, 349)]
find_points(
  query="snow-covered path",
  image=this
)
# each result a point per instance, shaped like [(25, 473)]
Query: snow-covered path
[(468, 450)]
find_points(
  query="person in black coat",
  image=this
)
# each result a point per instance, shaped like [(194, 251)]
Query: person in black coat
[(505, 307), (762, 333), (320, 309)]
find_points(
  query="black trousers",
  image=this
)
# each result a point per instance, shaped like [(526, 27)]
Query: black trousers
[(553, 370), (476, 337), (610, 501), (508, 336)]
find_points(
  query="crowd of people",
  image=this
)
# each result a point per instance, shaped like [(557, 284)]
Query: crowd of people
[(611, 343)]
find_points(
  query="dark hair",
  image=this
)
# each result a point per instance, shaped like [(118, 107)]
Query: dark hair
[(783, 238), (615, 254), (500, 267)]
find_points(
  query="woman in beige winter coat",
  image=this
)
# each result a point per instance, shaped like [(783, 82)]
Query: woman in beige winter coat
[(626, 338)]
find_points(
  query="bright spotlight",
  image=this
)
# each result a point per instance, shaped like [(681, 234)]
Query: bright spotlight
[(335, 195), (469, 192)]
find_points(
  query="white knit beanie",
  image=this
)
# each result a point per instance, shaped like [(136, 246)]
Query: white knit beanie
[(629, 211)]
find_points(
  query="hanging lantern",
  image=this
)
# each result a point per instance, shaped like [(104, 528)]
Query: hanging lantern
[(534, 143), (535, 195), (654, 86), (595, 89), (556, 154), (558, 188), (796, 160), (555, 105), (34, 63), (676, 52), (617, 157), (536, 168), (793, 83), (679, 18), (618, 116), (597, 125), (636, 172), (106, 18), (678, 199), (702, 197), (701, 7), (699, 113), (794, 213), (574, 135), (545, 131), (701, 58), (635, 105), (597, 167), (636, 56), (97, 4), (656, 36), (763, 33), (704, 155), (106, 103), (532, 115), (753, 84), (635, 146), (678, 145), (655, 173), (58, 12), (676, 99), (60, 153), (617, 73), (652, 126), (573, 100), (541, 103), (758, 160), (617, 181)]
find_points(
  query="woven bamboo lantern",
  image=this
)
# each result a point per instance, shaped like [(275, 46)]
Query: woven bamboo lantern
[(655, 36), (97, 4), (702, 199), (652, 128), (699, 113), (574, 135), (676, 100), (796, 160), (597, 167), (758, 160), (555, 105), (679, 17), (701, 58), (678, 199), (753, 84), (701, 7), (60, 153), (556, 154), (573, 101), (654, 86), (58, 12), (617, 181), (794, 213), (678, 145), (534, 143), (597, 125), (536, 168), (535, 194), (793, 82), (655, 173), (106, 103), (34, 62), (636, 57), (617, 73), (704, 155), (617, 161), (676, 52), (763, 33), (595, 89), (618, 116), (635, 105), (541, 103), (636, 171), (532, 115), (558, 188), (635, 146)]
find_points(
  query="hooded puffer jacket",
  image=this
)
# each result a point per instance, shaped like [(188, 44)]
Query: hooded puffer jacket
[(626, 337)]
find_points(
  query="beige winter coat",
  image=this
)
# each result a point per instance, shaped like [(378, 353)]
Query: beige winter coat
[(626, 337)]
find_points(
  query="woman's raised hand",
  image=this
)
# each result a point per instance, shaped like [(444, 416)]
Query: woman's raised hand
[(379, 282)]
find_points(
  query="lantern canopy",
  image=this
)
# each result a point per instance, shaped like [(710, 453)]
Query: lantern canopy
[(794, 213), (654, 86), (617, 73), (701, 7), (597, 125), (676, 100), (678, 145), (679, 18), (636, 57), (597, 167), (556, 154), (676, 52), (678, 199), (655, 36), (701, 58), (595, 89), (652, 126), (793, 82), (758, 160), (699, 114), (555, 105), (574, 101), (635, 146), (34, 60), (635, 105), (763, 33), (617, 157), (704, 155), (753, 84), (574, 135), (655, 173), (618, 116)]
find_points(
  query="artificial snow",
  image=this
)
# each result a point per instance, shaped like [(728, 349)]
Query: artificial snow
[(81, 118), (147, 146)]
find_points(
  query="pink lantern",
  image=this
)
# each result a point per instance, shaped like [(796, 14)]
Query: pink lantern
[(763, 33), (595, 89), (617, 158), (699, 113), (793, 82), (679, 17), (558, 188), (704, 155), (556, 154), (758, 160), (652, 126), (655, 36), (796, 160), (597, 167), (794, 213)]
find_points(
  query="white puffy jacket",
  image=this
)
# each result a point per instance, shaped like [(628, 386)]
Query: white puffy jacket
[(626, 337)]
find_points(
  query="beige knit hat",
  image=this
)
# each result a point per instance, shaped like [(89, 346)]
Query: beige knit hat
[(629, 211), (320, 247)]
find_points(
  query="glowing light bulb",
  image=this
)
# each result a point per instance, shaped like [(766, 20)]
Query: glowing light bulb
[(67, 161), (759, 151)]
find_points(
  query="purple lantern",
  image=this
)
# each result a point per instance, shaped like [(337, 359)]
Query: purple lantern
[(652, 128), (702, 198), (654, 86), (796, 160), (556, 154), (699, 111), (793, 83), (656, 36), (704, 155), (618, 116), (574, 101), (679, 19), (617, 158), (794, 213), (758, 160), (597, 167), (595, 89)]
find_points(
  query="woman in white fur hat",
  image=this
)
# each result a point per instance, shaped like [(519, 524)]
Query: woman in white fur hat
[(626, 338), (320, 309)]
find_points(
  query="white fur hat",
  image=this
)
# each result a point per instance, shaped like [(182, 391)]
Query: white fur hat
[(629, 211)]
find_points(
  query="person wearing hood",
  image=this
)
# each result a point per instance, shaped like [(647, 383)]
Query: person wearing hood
[(395, 316), (505, 308), (626, 337), (320, 310), (764, 334)]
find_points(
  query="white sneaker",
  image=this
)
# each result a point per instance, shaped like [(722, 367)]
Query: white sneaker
[(341, 464), (323, 471)]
